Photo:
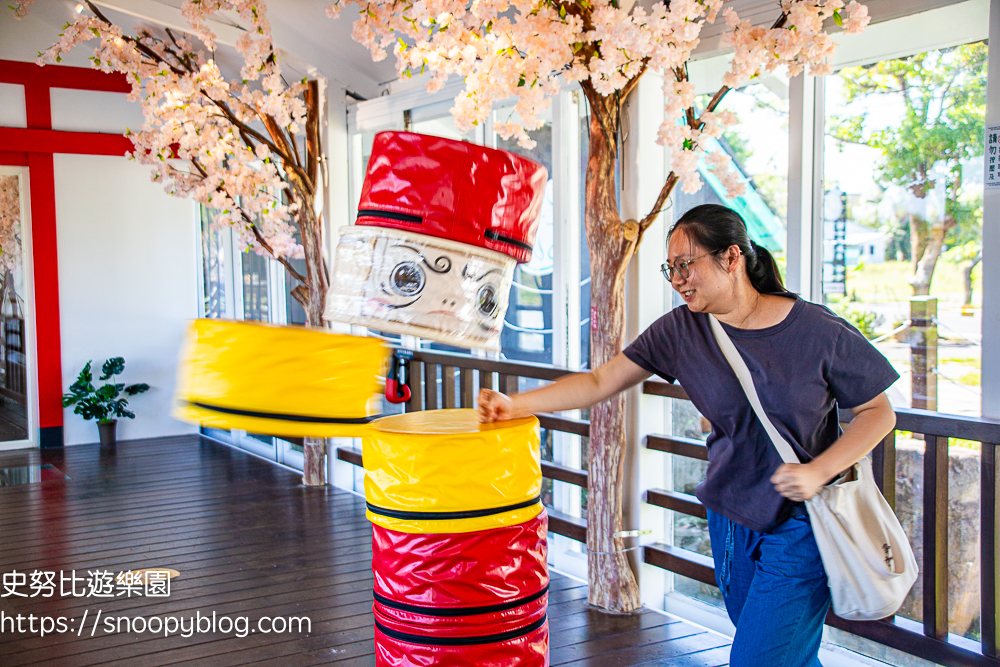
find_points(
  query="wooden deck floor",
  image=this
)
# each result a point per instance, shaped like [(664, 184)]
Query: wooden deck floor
[(248, 540)]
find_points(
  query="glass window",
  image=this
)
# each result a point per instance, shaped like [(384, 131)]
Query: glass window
[(14, 394), (213, 253), (256, 304), (902, 232), (902, 256), (758, 145), (436, 120), (527, 333)]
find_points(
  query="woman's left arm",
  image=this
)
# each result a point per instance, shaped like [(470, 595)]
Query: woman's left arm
[(872, 422)]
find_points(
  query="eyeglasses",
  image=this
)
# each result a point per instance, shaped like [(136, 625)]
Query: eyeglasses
[(682, 268)]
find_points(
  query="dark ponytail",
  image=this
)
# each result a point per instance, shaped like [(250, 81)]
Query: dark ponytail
[(716, 228)]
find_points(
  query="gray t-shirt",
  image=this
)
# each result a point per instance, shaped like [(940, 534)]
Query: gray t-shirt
[(803, 368)]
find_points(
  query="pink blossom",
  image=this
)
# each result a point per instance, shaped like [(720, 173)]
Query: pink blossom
[(859, 18), (721, 164), (194, 149), (20, 8), (525, 49), (800, 42)]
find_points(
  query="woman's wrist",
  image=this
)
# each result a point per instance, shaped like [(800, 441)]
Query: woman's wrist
[(518, 408)]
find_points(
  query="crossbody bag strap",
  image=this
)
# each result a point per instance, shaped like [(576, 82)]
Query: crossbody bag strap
[(739, 367)]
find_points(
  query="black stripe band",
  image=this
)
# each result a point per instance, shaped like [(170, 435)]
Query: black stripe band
[(460, 611), (283, 417), (466, 514), (389, 215), (493, 236), (461, 641)]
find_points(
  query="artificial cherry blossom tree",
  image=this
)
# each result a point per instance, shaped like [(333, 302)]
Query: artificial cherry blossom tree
[(10, 223), (246, 148), (526, 50)]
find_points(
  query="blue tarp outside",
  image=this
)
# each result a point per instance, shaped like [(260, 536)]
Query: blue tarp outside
[(764, 226)]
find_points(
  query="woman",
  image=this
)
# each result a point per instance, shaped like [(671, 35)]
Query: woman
[(805, 362)]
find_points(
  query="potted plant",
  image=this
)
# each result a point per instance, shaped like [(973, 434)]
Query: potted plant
[(106, 403)]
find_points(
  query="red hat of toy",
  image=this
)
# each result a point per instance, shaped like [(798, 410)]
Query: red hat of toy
[(454, 190)]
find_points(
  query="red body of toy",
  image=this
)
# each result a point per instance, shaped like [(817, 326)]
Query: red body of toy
[(454, 190), (462, 599), (456, 570), (528, 647)]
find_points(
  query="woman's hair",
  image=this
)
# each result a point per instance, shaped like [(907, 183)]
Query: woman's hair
[(716, 228)]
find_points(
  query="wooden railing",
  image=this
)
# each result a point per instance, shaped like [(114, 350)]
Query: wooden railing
[(442, 380)]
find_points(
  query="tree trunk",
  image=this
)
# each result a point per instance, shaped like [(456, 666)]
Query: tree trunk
[(967, 277), (918, 240), (612, 584), (312, 296), (314, 466), (932, 240)]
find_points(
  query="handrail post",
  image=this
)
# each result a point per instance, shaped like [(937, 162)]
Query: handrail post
[(935, 566), (989, 562), (923, 352), (884, 467)]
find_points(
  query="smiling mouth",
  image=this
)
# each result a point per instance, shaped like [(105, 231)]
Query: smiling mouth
[(687, 294)]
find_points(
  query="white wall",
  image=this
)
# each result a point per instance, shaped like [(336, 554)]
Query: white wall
[(127, 283)]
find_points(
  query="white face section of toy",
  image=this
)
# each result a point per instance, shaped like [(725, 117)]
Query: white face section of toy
[(410, 283)]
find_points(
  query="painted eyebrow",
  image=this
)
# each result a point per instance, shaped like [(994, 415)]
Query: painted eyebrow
[(467, 274), (440, 265)]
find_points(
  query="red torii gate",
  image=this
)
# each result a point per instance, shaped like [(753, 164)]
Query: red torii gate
[(33, 147)]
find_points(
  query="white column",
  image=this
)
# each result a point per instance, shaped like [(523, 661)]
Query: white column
[(566, 227), (567, 450), (991, 240), (805, 186), (648, 298)]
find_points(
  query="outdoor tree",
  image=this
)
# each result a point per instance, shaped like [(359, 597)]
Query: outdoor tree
[(527, 49), (943, 97), (247, 147)]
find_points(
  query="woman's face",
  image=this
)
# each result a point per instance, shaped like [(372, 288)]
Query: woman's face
[(707, 284)]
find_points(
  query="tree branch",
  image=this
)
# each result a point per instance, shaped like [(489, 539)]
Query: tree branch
[(661, 199), (634, 81), (256, 231), (312, 131), (717, 99), (275, 131), (598, 111), (264, 244)]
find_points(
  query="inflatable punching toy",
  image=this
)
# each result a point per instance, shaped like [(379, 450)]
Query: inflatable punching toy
[(458, 540), (440, 227), (284, 381)]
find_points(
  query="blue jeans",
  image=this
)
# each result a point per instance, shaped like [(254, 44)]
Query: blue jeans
[(775, 590)]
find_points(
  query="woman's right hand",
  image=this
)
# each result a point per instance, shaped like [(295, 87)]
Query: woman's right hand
[(494, 406), (571, 391)]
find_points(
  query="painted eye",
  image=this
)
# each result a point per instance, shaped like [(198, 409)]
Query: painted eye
[(407, 279), (486, 300)]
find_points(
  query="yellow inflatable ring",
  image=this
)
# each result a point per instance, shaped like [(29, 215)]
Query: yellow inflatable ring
[(441, 471), (278, 380)]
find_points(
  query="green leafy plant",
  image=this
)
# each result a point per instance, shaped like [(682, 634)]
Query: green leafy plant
[(106, 403), (864, 321)]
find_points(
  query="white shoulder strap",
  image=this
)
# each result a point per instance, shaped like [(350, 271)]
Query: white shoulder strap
[(746, 381)]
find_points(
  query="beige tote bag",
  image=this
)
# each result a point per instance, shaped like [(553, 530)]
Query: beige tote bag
[(868, 560)]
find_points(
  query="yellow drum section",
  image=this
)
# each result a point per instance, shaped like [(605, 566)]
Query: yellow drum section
[(285, 381), (441, 471)]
